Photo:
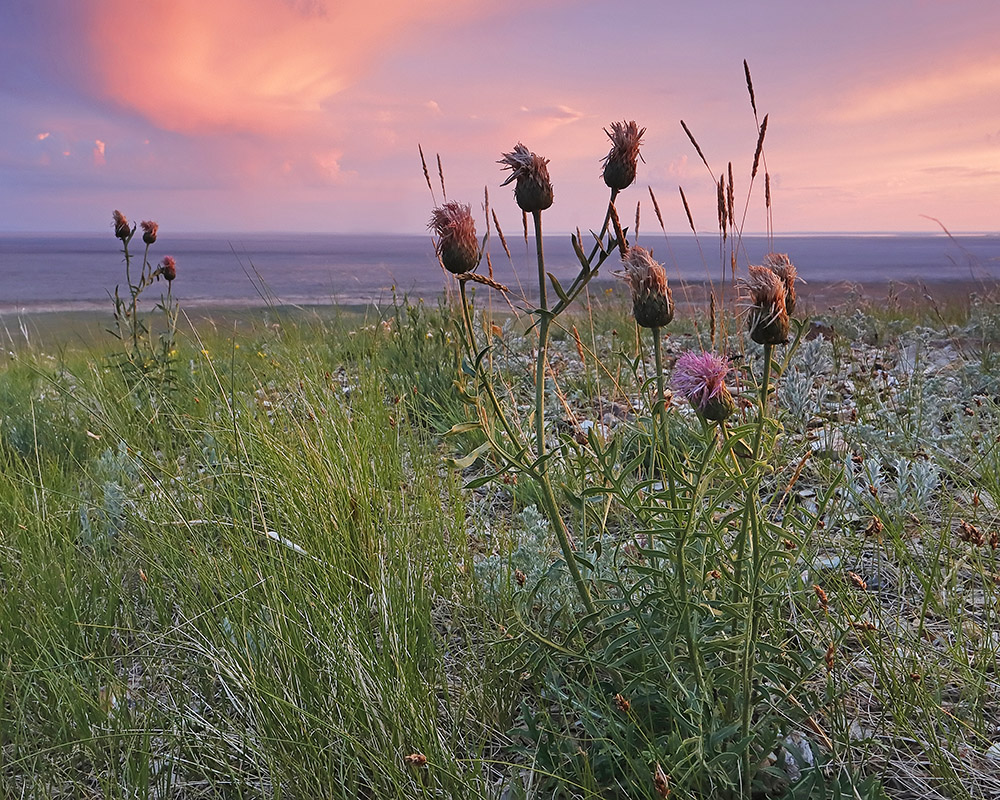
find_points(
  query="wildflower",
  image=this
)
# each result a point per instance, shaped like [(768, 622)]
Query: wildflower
[(122, 229), (168, 268), (857, 580), (701, 379), (415, 760), (652, 300), (781, 265), (824, 601), (622, 703), (457, 246), (661, 782), (619, 164), (768, 317), (149, 230), (532, 187)]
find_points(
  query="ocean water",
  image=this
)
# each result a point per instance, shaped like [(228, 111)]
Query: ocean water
[(76, 272)]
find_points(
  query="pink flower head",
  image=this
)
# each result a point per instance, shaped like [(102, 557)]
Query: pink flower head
[(701, 380), (457, 246), (768, 314), (149, 230), (120, 222), (168, 268), (620, 163), (532, 187)]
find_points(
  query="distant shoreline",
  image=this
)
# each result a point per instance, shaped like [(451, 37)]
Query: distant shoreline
[(815, 298)]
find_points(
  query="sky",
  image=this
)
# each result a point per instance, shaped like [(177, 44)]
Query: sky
[(306, 115)]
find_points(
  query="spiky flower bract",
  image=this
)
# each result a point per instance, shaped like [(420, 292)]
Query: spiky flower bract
[(149, 230), (620, 162), (652, 300), (457, 245), (768, 316), (532, 187), (120, 222), (168, 268), (701, 380), (781, 265)]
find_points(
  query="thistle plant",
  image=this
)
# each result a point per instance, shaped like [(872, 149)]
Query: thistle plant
[(143, 360), (678, 623)]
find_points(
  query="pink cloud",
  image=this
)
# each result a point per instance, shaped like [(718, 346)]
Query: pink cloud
[(259, 66)]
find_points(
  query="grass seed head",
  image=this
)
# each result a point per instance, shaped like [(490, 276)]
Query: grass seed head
[(149, 230), (457, 245), (532, 186), (768, 315), (701, 379), (620, 162), (652, 300)]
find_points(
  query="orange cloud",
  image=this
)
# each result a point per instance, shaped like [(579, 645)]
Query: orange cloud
[(262, 66), (952, 84)]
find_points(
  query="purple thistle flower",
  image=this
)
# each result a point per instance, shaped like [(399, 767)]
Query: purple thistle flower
[(620, 163), (532, 187), (457, 246), (701, 379)]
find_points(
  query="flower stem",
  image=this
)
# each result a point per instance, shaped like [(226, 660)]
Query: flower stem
[(548, 495)]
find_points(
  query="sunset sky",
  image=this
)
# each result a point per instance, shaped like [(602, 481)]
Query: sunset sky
[(305, 115)]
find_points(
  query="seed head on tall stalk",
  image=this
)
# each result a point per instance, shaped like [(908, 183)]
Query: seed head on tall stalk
[(533, 194)]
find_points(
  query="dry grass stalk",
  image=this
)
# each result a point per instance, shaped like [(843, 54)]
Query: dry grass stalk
[(619, 234), (656, 209), (720, 192), (711, 316), (503, 239), (697, 148), (729, 196), (637, 206), (687, 210), (444, 194), (760, 148), (427, 175), (477, 278), (753, 101)]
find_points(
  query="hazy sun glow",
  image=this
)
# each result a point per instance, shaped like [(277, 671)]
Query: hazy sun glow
[(306, 114)]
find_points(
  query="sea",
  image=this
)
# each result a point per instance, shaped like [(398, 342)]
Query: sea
[(77, 272)]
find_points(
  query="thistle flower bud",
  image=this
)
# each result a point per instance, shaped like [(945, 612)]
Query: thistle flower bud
[(781, 265), (768, 316), (532, 187), (120, 222), (168, 268), (457, 246), (620, 163), (701, 380), (652, 300), (149, 230)]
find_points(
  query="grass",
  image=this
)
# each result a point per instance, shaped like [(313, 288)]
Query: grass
[(275, 586)]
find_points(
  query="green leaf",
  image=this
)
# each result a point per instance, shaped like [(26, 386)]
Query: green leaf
[(558, 287)]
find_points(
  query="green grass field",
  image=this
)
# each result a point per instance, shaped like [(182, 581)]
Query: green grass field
[(271, 578)]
